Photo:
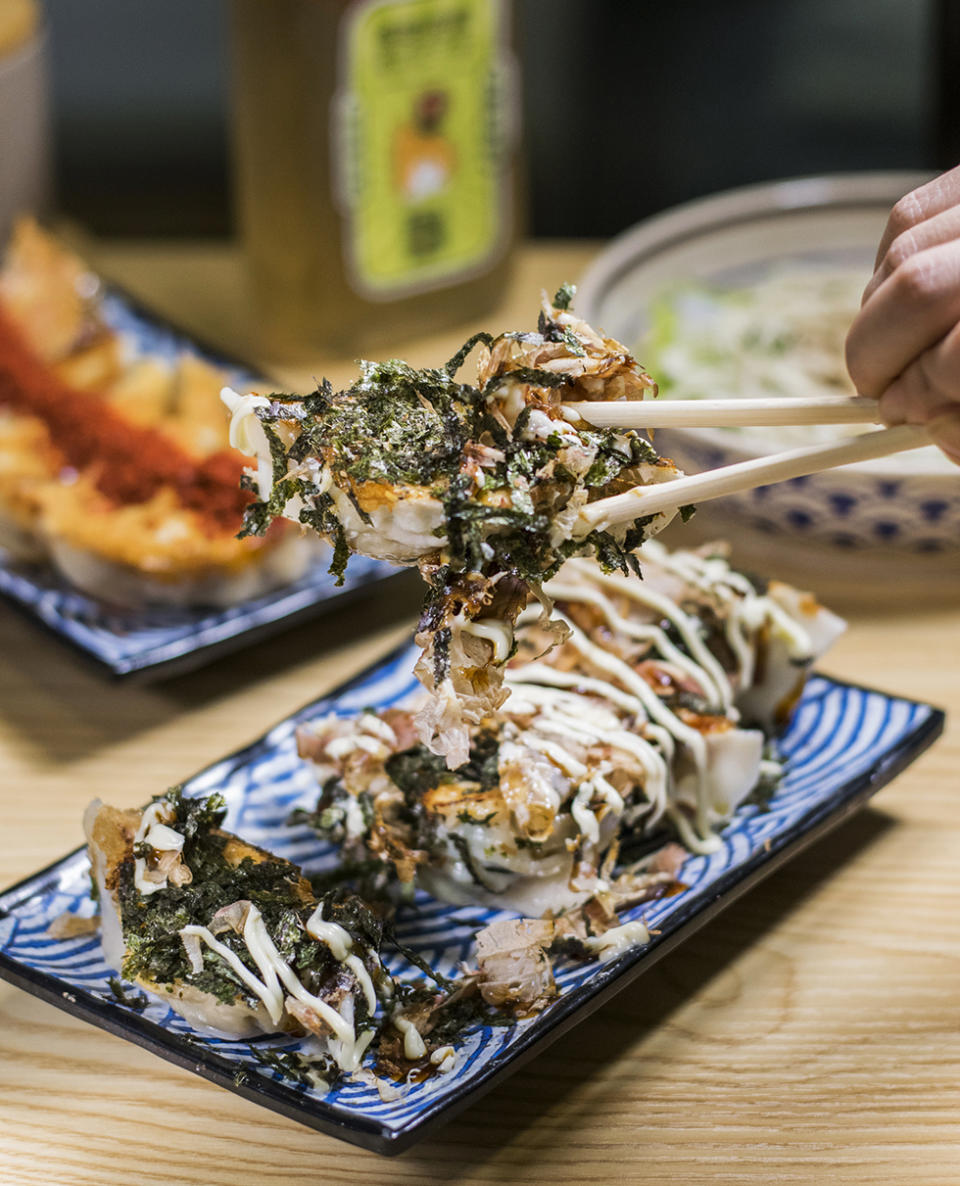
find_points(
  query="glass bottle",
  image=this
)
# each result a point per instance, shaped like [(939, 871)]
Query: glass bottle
[(376, 164)]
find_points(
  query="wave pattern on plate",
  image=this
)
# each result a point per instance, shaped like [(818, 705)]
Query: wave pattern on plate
[(839, 735)]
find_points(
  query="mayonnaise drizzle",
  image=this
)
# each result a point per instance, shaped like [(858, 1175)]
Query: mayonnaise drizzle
[(611, 943), (495, 631), (277, 975), (247, 435), (336, 937), (339, 747), (155, 832), (569, 716), (413, 1044), (584, 818), (745, 612), (653, 707), (716, 690), (371, 723), (444, 1058), (340, 942), (687, 626)]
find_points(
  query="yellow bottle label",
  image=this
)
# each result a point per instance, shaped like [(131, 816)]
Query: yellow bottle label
[(421, 142)]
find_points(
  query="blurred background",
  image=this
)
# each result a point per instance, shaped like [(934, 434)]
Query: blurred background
[(628, 108), (306, 182)]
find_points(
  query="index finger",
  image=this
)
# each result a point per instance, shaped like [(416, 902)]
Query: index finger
[(904, 317), (917, 206)]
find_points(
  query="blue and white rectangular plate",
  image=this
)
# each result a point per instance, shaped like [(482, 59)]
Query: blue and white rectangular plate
[(845, 742), (151, 643)]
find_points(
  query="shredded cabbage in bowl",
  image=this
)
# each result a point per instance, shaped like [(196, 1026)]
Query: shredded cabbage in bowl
[(782, 335)]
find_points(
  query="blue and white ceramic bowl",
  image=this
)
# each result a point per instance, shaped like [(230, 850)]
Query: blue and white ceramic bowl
[(907, 505)]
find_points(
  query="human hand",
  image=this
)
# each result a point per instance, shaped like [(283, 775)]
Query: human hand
[(904, 345)]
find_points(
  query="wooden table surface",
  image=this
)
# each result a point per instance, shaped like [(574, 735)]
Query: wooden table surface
[(809, 1034)]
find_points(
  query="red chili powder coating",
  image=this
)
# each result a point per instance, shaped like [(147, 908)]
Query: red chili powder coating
[(133, 463)]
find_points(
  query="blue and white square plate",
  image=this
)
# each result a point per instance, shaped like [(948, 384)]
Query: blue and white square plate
[(844, 743), (151, 643)]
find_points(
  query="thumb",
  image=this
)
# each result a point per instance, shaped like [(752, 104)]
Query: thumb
[(945, 431)]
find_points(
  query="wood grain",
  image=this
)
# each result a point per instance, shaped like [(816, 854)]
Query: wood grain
[(810, 1034)]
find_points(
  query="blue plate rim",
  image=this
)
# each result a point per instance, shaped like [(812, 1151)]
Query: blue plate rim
[(568, 1011), (181, 657)]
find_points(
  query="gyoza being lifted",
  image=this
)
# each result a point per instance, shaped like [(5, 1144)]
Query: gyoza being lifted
[(480, 485)]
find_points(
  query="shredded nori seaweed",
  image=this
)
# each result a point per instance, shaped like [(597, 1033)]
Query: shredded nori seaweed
[(399, 426), (151, 924), (136, 1001), (299, 1068)]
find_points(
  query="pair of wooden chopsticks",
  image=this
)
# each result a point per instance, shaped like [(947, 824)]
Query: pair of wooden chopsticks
[(730, 479)]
